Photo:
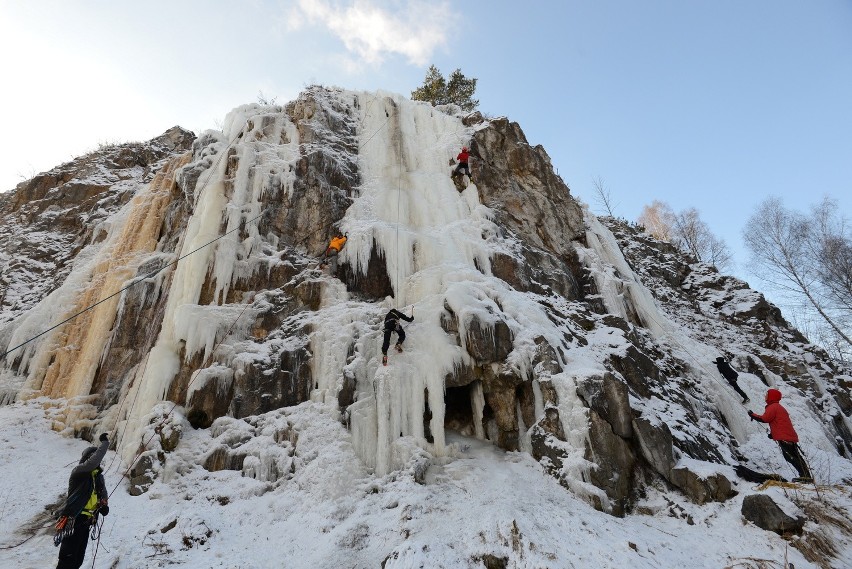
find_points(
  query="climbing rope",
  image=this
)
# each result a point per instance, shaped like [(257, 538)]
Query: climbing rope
[(398, 215)]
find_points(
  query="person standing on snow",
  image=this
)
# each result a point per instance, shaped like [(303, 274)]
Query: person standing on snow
[(781, 431), (392, 325), (87, 497), (728, 373), (335, 245), (463, 158)]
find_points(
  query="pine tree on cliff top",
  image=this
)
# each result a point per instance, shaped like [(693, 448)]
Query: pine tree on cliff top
[(437, 90)]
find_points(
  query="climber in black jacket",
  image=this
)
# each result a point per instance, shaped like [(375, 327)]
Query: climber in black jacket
[(87, 497), (392, 325), (728, 373)]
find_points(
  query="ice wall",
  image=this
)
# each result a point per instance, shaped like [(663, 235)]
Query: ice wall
[(227, 196), (437, 247)]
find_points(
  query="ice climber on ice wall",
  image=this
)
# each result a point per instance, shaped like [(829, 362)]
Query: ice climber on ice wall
[(463, 158), (334, 246), (392, 325), (729, 374)]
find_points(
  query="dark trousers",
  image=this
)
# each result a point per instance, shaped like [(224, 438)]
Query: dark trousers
[(460, 167), (386, 343), (793, 455), (737, 389), (72, 550), (331, 254)]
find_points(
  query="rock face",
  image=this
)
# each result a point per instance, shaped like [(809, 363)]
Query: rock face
[(537, 326), (47, 220), (517, 181)]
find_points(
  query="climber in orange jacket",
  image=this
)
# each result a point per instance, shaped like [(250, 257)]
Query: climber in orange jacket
[(781, 431), (335, 245), (463, 158)]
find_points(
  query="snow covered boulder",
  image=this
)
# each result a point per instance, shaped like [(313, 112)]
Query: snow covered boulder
[(700, 489), (761, 510)]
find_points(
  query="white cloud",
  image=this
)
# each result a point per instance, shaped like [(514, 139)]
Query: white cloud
[(413, 29)]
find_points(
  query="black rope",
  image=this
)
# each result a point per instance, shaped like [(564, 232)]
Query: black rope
[(148, 276)]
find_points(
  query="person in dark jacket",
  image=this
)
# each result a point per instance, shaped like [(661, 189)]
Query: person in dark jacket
[(781, 431), (463, 158), (87, 497), (392, 325), (728, 373)]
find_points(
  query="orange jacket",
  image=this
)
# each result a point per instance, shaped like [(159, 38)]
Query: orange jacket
[(337, 243)]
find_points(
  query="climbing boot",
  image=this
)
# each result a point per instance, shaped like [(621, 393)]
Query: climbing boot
[(399, 348), (384, 360)]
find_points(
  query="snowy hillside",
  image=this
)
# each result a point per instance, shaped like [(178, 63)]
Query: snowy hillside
[(555, 405)]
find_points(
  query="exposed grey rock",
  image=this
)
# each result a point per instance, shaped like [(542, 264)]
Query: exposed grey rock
[(488, 343), (221, 458), (615, 461), (655, 442), (607, 396), (142, 474), (346, 396), (212, 399), (762, 510), (714, 488), (473, 118)]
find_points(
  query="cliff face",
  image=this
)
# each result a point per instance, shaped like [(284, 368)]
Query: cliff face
[(537, 327)]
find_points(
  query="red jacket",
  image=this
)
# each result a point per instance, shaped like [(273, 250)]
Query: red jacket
[(463, 156), (780, 426)]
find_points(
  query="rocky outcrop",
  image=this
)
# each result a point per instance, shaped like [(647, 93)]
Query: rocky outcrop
[(47, 220), (517, 181)]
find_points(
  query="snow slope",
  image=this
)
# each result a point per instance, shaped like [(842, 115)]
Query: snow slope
[(333, 513)]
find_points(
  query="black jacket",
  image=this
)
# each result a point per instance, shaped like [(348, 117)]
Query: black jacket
[(82, 482), (726, 370), (392, 319)]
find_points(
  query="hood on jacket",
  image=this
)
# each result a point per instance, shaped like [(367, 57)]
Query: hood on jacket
[(773, 396), (87, 453), (720, 360)]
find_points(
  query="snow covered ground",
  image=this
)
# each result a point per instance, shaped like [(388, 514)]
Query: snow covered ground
[(331, 512)]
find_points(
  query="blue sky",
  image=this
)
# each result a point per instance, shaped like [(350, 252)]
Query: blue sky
[(711, 104)]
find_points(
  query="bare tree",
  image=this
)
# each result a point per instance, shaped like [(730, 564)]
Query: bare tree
[(798, 254), (657, 219), (603, 196), (831, 243), (686, 231)]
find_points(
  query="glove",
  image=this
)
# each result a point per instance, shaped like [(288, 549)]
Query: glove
[(104, 510), (751, 415), (769, 435), (103, 437)]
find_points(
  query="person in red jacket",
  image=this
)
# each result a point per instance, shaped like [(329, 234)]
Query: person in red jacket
[(463, 157), (781, 431)]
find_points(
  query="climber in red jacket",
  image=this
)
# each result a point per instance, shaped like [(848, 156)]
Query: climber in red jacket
[(463, 157), (781, 431)]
